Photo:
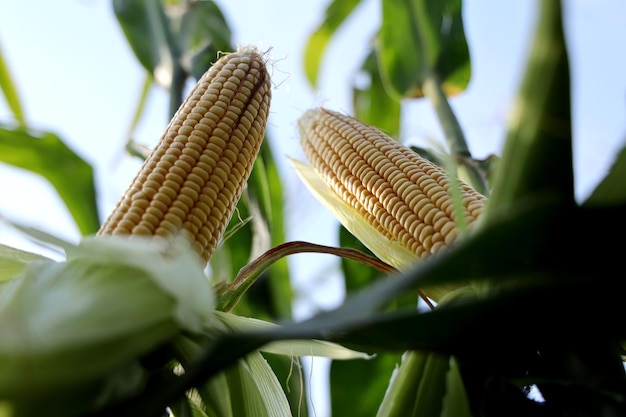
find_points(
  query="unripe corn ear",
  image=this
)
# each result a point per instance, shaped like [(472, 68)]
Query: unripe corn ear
[(404, 197), (191, 182)]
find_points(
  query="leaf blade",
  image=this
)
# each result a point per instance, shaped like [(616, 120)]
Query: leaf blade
[(335, 15), (72, 177), (419, 38)]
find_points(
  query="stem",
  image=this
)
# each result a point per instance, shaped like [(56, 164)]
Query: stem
[(179, 76), (453, 132), (251, 272)]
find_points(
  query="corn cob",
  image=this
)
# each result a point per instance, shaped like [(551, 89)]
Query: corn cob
[(403, 196), (192, 180)]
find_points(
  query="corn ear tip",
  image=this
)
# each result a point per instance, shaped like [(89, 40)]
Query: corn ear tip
[(248, 50), (306, 121)]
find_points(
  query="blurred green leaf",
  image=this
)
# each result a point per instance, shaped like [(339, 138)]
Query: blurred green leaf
[(146, 27), (10, 93), (201, 32), (358, 387), (336, 13), (174, 39), (420, 39), (372, 103), (537, 156), (46, 154), (495, 324), (13, 261)]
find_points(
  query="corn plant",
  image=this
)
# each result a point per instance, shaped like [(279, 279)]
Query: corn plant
[(468, 283)]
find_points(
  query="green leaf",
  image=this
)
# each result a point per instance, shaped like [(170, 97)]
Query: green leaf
[(201, 32), (419, 39), (46, 154), (10, 93), (537, 156), (336, 14), (611, 190), (146, 28), (373, 104), (358, 387)]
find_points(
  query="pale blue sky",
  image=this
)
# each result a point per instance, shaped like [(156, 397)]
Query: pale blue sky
[(77, 77)]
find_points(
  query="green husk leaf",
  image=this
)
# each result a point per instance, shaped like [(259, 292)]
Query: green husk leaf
[(13, 261)]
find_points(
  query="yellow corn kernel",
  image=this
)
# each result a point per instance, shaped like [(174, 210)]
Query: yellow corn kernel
[(192, 180), (403, 196)]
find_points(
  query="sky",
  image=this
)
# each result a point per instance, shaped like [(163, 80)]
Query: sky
[(77, 77)]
